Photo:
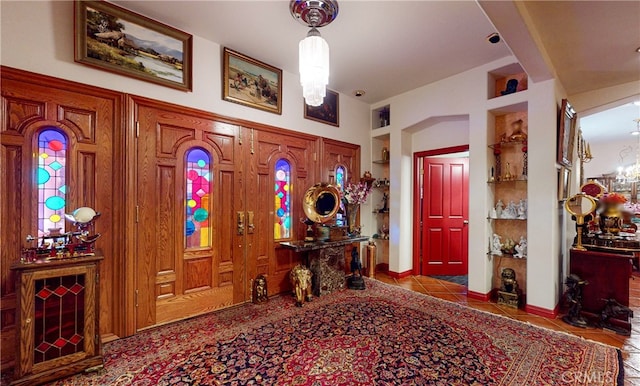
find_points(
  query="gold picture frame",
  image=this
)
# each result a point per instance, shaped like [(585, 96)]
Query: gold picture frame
[(328, 112), (117, 40), (250, 82), (566, 134)]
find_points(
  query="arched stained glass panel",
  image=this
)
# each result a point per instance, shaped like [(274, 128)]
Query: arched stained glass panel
[(197, 230), (282, 195), (51, 179), (341, 175)]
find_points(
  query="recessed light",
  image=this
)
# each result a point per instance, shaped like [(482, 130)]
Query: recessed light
[(638, 49), (359, 93)]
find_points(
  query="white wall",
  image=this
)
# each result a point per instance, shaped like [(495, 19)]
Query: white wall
[(38, 36), (422, 120)]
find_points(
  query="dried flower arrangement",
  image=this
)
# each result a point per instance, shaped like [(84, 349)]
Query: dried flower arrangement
[(613, 198), (355, 193)]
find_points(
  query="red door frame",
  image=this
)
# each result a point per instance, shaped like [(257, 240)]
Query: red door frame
[(416, 196)]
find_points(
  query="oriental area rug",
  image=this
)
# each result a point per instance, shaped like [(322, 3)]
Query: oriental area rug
[(383, 335)]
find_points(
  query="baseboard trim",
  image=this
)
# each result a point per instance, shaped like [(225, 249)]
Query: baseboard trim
[(479, 296), (401, 275), (544, 312)]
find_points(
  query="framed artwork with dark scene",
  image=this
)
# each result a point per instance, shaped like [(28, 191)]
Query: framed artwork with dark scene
[(250, 82), (123, 42), (328, 112), (566, 134)]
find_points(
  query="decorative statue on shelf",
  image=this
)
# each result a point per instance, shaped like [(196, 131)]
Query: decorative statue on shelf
[(510, 212), (499, 209), (521, 248), (259, 290), (300, 277), (385, 203), (355, 281), (496, 245), (573, 297), (522, 210)]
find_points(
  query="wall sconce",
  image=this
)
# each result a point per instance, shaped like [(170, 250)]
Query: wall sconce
[(313, 51)]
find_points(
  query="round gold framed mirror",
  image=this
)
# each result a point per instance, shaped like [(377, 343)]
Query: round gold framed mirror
[(580, 205), (321, 202)]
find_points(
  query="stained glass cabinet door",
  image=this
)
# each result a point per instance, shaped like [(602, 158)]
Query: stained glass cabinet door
[(57, 319)]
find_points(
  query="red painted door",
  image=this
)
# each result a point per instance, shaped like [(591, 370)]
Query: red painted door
[(445, 206)]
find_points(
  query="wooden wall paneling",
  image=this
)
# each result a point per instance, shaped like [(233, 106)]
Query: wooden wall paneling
[(92, 119), (336, 153)]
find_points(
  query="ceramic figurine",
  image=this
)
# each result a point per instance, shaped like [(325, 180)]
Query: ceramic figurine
[(499, 208), (496, 245), (521, 248)]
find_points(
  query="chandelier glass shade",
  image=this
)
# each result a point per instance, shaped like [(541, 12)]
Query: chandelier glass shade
[(314, 67), (313, 51), (631, 173)]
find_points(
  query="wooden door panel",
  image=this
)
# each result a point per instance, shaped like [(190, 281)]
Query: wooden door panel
[(445, 237), (178, 282)]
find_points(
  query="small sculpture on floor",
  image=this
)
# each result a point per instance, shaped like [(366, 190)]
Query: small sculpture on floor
[(300, 277), (613, 309), (355, 281), (573, 297), (509, 294), (259, 290)]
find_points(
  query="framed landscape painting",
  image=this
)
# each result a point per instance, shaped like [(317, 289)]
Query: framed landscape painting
[(120, 41), (251, 83), (328, 112)]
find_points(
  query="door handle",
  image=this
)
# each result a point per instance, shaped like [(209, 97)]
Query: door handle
[(240, 225), (250, 223), (465, 222)]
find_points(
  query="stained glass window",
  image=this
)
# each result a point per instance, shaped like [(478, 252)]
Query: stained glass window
[(341, 174), (282, 226), (51, 178), (197, 230)]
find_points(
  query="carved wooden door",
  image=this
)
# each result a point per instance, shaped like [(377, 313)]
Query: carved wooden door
[(189, 253), (223, 196), (279, 211)]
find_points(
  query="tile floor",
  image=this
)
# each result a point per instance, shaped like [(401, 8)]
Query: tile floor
[(629, 345)]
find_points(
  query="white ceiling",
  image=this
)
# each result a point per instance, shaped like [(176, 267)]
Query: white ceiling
[(390, 47)]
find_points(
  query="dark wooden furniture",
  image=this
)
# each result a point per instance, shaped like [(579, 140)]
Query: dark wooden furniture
[(326, 260), (59, 307), (608, 276)]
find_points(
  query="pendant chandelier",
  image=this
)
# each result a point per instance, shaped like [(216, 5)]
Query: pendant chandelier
[(313, 51), (631, 173)]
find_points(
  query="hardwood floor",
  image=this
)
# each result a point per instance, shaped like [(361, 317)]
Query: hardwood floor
[(629, 345)]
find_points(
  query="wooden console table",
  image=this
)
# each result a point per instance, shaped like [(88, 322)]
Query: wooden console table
[(608, 275), (326, 261)]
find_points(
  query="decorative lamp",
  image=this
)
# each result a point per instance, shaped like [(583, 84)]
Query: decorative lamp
[(313, 50)]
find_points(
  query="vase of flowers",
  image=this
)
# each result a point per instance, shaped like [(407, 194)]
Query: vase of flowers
[(610, 211), (353, 195)]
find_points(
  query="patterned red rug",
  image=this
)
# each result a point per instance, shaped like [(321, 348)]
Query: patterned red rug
[(383, 335)]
